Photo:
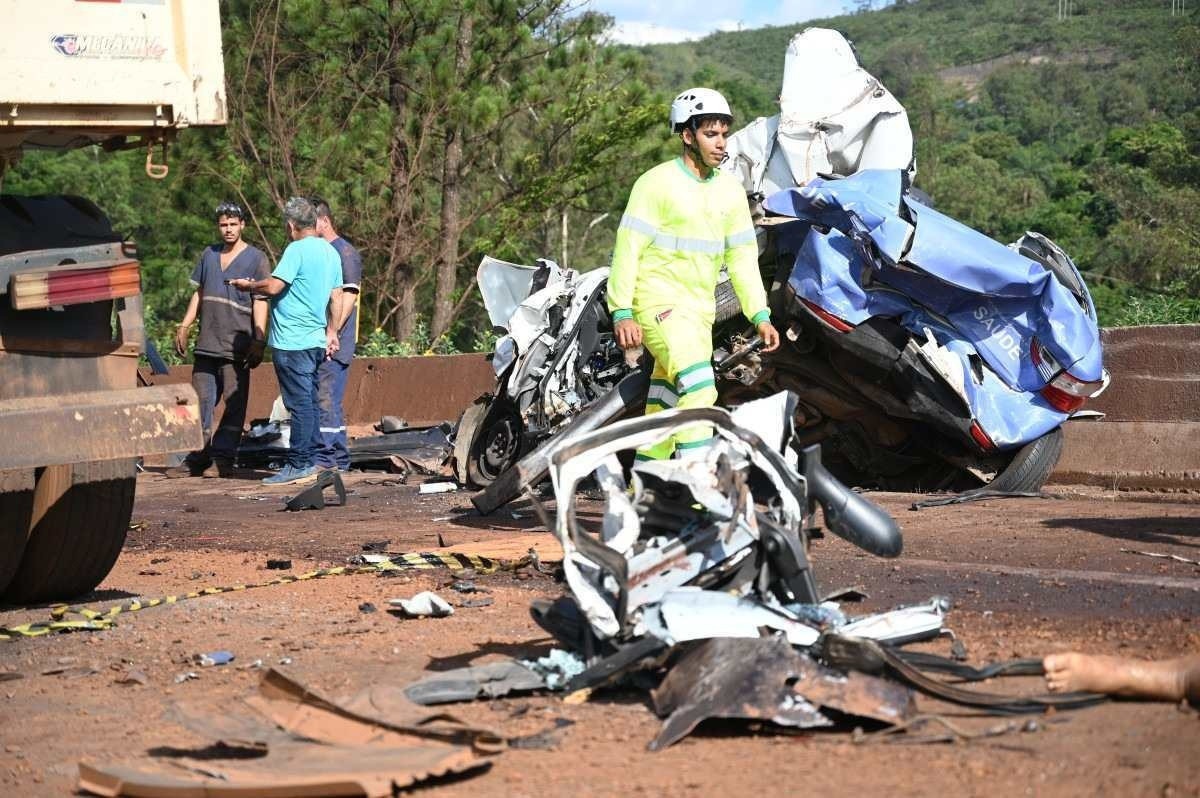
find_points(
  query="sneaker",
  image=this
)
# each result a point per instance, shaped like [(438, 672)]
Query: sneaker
[(289, 476)]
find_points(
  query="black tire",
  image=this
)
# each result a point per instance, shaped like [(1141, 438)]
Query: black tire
[(728, 305), (1029, 469), (464, 437), (74, 545), (493, 445), (16, 506)]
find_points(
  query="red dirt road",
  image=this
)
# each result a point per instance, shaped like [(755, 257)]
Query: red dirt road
[(1027, 576)]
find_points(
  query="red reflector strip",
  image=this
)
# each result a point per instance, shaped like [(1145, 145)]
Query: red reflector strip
[(827, 317), (981, 437), (32, 290)]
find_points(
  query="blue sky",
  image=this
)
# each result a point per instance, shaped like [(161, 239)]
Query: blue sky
[(649, 21)]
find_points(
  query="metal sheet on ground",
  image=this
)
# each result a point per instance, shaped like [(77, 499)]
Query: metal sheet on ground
[(766, 679)]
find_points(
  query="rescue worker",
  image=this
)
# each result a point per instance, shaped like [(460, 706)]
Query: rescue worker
[(685, 220)]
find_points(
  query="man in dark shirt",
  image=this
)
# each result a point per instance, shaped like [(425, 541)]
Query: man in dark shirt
[(333, 452), (230, 343)]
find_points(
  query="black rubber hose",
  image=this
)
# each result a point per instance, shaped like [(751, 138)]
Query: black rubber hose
[(851, 516)]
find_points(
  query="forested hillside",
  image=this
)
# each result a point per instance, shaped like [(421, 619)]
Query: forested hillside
[(440, 130)]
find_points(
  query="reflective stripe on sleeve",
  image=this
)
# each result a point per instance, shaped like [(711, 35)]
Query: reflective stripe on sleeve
[(747, 236), (637, 225)]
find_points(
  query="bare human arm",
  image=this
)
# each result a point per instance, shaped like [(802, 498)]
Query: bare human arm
[(345, 307), (185, 327), (336, 300), (259, 312), (271, 286)]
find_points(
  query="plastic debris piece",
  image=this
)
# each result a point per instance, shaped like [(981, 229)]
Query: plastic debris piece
[(71, 671), (213, 658), (366, 606), (132, 676), (313, 497), (279, 565), (484, 601), (545, 740), (186, 677), (425, 604), (903, 624), (556, 668), (437, 487), (493, 680)]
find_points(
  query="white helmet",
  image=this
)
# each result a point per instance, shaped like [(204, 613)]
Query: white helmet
[(697, 102)]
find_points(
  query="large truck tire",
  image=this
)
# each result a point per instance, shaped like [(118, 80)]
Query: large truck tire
[(16, 506), (80, 515)]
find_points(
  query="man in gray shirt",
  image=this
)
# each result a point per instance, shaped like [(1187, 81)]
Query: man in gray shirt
[(230, 343)]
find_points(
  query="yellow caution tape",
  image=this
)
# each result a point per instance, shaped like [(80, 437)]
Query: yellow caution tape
[(81, 618)]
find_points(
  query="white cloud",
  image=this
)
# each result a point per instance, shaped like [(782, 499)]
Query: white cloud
[(652, 33), (650, 22)]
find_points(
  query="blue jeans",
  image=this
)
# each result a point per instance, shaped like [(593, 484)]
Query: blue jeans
[(296, 371), (215, 380), (332, 451)]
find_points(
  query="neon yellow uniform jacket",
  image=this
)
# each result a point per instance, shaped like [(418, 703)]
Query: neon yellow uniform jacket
[(676, 234)]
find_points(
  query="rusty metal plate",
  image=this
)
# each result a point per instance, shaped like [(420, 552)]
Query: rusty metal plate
[(98, 425), (767, 679)]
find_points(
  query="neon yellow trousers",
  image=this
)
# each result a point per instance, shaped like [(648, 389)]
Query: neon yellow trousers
[(682, 377)]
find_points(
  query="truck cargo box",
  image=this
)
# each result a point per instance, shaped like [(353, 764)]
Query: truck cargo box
[(74, 72)]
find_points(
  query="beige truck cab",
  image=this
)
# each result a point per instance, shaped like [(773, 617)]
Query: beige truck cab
[(118, 74)]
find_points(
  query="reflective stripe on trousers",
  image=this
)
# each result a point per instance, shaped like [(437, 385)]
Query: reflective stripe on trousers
[(683, 376)]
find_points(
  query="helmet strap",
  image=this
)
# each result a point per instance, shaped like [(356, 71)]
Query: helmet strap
[(693, 149)]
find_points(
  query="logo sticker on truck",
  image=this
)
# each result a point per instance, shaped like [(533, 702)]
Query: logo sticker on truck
[(108, 45)]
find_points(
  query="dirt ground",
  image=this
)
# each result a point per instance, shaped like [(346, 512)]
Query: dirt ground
[(1027, 577)]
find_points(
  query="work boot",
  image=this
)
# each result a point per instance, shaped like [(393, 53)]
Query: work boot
[(182, 470), (219, 468)]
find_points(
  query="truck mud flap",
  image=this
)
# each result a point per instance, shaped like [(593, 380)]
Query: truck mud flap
[(98, 425)]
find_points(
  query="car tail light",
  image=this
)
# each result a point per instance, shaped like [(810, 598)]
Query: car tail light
[(982, 438), (1064, 391), (824, 315), (31, 290)]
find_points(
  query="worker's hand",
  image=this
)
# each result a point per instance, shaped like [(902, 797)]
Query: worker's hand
[(254, 355), (241, 283), (629, 334), (769, 335), (331, 344), (181, 338)]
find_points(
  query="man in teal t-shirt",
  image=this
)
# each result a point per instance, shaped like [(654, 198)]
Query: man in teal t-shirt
[(304, 286)]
